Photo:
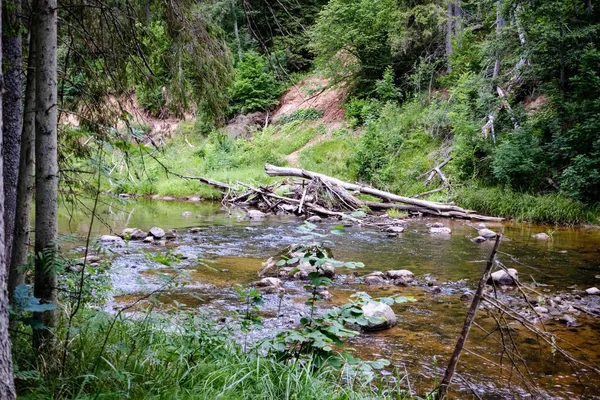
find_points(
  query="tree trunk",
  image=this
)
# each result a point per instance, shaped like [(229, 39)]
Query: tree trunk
[(7, 385), (236, 31), (12, 116), (499, 25), (449, 29), (46, 170), (26, 177)]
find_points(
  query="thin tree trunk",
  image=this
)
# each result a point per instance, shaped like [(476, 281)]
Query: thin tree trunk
[(236, 32), (499, 25), (449, 28), (26, 178), (7, 385), (46, 170), (12, 116)]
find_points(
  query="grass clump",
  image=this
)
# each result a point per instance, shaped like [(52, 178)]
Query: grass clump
[(302, 114), (523, 207)]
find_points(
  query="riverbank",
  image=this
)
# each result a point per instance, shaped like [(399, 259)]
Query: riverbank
[(220, 157)]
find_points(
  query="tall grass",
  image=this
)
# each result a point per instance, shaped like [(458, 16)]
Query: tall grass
[(172, 357), (523, 207)]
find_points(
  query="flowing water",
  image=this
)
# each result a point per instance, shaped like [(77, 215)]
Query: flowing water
[(230, 250)]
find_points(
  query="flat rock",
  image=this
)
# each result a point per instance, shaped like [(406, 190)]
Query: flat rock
[(156, 232), (540, 310), (383, 316), (314, 218), (487, 233), (195, 230), (503, 277), (440, 230), (541, 236), (110, 239), (194, 199), (593, 291), (481, 225), (394, 229)]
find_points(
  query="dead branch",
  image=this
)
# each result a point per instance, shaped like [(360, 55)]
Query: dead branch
[(462, 338)]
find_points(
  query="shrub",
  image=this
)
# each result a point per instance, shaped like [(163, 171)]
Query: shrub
[(302, 114), (254, 87)]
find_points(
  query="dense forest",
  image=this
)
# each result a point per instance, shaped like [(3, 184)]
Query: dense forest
[(490, 105)]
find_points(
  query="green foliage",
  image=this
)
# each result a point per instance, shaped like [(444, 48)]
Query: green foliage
[(25, 304), (386, 89), (254, 87), (359, 111), (302, 114), (166, 258)]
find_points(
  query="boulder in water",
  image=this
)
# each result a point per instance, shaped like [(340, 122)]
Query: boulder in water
[(502, 277), (269, 285), (314, 219), (478, 239), (487, 233), (541, 236), (133, 234), (400, 277), (256, 214), (380, 316), (593, 291), (157, 233), (112, 240)]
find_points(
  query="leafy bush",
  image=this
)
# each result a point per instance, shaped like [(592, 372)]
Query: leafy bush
[(359, 111), (254, 87)]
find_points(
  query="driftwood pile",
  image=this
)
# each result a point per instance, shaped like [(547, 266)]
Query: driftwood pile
[(318, 194)]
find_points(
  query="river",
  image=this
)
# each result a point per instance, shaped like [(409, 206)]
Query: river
[(230, 249)]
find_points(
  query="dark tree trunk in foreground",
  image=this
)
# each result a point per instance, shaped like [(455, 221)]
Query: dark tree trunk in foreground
[(7, 385), (46, 170), (11, 114), (26, 178)]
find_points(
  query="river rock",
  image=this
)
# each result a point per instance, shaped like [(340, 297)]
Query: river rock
[(437, 225), (195, 230), (400, 277), (256, 214), (487, 233), (269, 285), (149, 239), (540, 310), (373, 280), (194, 199), (268, 268), (186, 256), (503, 277), (568, 320), (478, 239), (305, 268), (440, 230), (314, 219), (110, 239), (156, 232), (394, 229), (133, 234), (170, 234), (593, 291), (186, 214), (481, 225), (466, 296), (382, 316), (541, 236)]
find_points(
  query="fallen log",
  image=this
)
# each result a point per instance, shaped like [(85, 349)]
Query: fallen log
[(273, 170), (450, 214)]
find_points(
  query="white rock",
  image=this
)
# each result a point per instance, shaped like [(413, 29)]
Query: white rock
[(592, 291), (157, 233), (487, 233), (505, 278), (481, 225), (478, 239), (149, 239), (314, 218), (540, 310), (394, 229), (440, 231), (541, 236), (384, 314), (269, 282)]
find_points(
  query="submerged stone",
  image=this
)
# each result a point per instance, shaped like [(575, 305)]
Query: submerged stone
[(440, 230), (487, 233), (541, 236), (478, 239)]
